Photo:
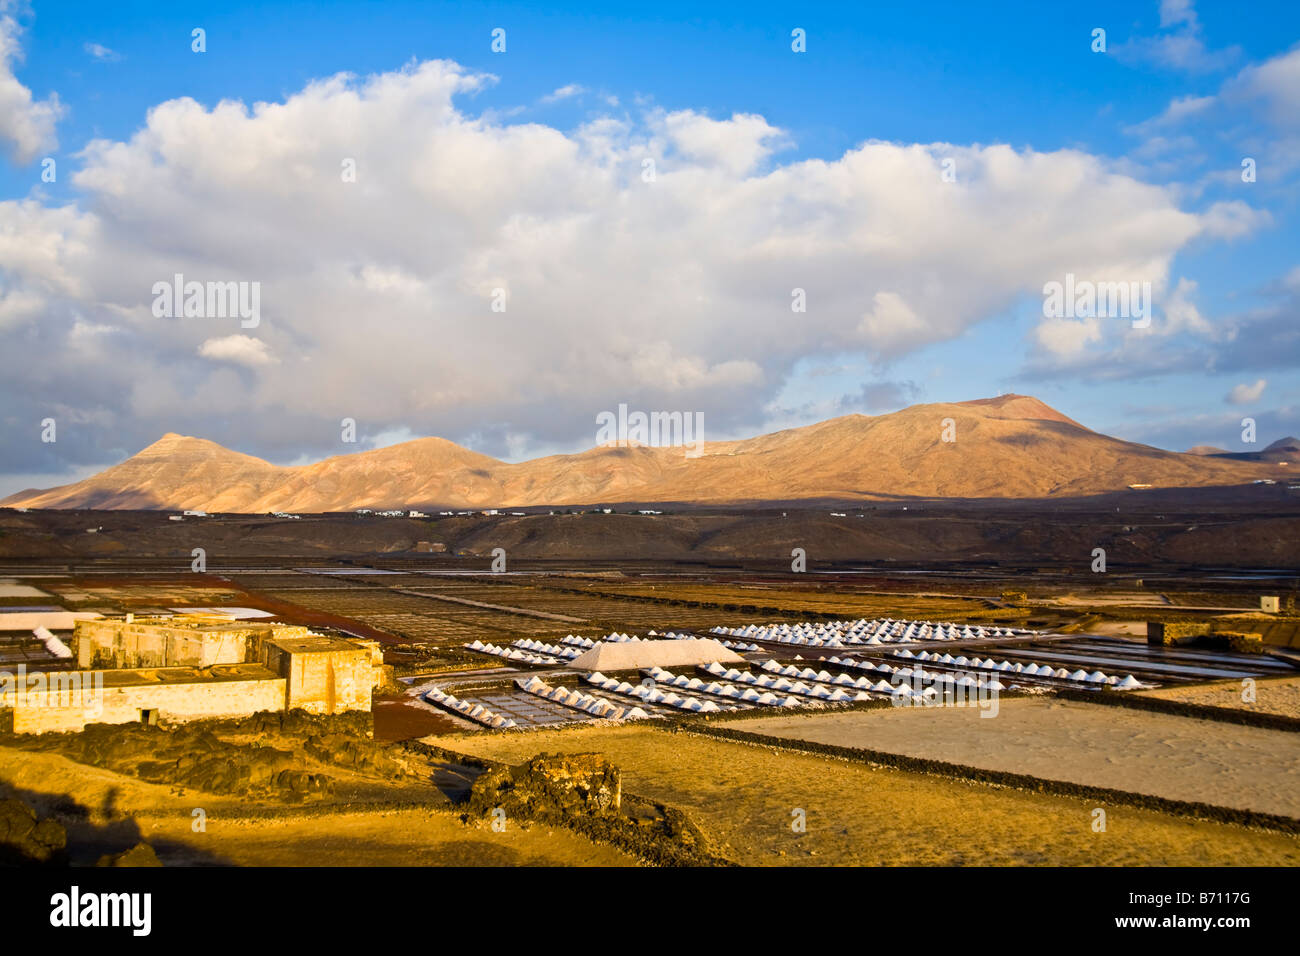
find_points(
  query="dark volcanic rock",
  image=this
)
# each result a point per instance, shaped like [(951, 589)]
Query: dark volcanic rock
[(550, 786), (141, 854), (26, 839)]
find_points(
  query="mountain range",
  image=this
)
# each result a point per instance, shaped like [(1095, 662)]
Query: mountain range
[(1283, 450), (1012, 446)]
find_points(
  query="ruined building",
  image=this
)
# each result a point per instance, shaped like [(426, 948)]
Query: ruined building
[(192, 667)]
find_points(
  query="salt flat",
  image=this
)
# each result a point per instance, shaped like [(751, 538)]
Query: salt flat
[(11, 589), (1276, 696), (1175, 757)]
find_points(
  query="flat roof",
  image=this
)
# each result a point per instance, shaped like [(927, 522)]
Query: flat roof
[(171, 676), (191, 622), (316, 644)]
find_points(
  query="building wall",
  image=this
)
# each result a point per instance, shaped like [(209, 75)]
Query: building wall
[(115, 643), (36, 713), (321, 676), (330, 683), (326, 681)]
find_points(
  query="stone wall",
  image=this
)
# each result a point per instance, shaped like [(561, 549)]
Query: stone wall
[(1207, 633), (1175, 632), (182, 642), (330, 682), (316, 673), (63, 710)]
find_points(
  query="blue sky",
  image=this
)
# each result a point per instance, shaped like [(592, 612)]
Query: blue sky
[(1154, 129)]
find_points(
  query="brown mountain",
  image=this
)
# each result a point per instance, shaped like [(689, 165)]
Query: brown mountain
[(1282, 451), (1013, 446)]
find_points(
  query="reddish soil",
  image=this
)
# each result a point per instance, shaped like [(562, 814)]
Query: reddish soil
[(399, 719)]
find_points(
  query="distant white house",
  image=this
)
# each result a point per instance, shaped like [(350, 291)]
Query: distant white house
[(416, 514), (196, 513)]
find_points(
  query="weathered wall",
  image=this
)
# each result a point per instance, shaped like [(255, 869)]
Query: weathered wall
[(116, 643), (61, 711), (1175, 632), (329, 680), (316, 673), (1210, 633)]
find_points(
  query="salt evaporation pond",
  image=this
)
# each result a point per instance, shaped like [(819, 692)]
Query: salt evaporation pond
[(1159, 754)]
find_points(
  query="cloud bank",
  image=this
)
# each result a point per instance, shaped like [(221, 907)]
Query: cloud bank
[(652, 261)]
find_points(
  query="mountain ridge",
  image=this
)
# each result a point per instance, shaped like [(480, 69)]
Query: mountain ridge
[(1009, 446)]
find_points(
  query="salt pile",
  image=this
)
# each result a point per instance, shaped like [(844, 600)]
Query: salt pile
[(52, 643), (863, 684), (635, 655), (863, 631), (587, 703), (554, 650), (1030, 669), (513, 654), (474, 712)]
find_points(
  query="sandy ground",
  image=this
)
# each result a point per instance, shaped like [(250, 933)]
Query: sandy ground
[(747, 798), (1280, 695), (1175, 757), (397, 838), (117, 811), (1126, 599), (1134, 629)]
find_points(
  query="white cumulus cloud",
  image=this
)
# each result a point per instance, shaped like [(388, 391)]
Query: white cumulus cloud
[(376, 294), (568, 91), (240, 349), (1245, 394), (26, 124)]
